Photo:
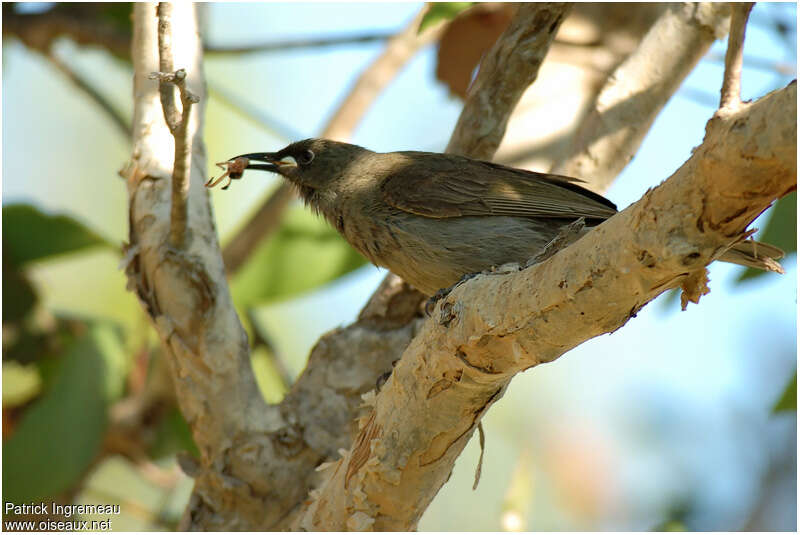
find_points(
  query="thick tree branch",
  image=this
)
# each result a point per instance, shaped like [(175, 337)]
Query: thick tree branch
[(591, 43), (495, 326), (731, 95), (638, 89), (494, 94), (184, 291)]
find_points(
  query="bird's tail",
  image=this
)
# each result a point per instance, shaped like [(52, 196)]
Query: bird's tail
[(754, 254)]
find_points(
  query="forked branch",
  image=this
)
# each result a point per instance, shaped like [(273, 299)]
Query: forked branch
[(177, 121)]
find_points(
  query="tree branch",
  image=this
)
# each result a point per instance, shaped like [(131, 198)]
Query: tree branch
[(185, 291), (491, 99), (638, 89), (84, 23), (177, 122), (303, 42), (464, 356), (731, 94), (591, 43)]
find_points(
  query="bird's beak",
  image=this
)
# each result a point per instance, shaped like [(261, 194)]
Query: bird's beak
[(237, 165), (271, 161)]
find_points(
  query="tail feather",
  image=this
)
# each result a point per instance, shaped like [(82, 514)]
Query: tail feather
[(755, 255)]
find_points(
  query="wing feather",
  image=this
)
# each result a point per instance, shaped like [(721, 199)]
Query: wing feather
[(440, 186)]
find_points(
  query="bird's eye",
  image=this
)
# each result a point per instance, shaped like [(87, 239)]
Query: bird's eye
[(306, 156)]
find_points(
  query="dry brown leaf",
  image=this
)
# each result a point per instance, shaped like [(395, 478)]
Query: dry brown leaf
[(466, 39)]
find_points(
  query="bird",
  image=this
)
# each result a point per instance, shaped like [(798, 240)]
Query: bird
[(434, 218)]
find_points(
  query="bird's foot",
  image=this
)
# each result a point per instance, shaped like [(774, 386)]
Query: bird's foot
[(430, 304), (382, 378), (568, 235)]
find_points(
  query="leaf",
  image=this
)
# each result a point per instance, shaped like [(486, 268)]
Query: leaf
[(173, 435), (304, 253), (788, 400), (19, 297), (30, 234), (780, 230), (441, 11), (57, 439)]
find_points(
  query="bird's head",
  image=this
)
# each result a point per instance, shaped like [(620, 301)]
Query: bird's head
[(315, 166)]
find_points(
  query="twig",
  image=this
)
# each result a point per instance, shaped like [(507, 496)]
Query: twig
[(399, 50), (732, 81), (494, 94), (178, 123), (294, 44), (82, 84)]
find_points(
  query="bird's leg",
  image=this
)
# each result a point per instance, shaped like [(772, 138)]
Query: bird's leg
[(568, 235)]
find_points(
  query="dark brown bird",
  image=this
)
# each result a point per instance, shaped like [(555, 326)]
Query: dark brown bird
[(432, 218)]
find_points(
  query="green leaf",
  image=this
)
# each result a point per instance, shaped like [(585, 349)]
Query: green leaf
[(30, 234), (780, 231), (441, 11), (305, 252), (19, 297), (61, 434), (788, 401), (172, 435)]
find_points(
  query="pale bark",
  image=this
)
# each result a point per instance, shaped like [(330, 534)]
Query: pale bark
[(184, 290), (731, 93), (495, 326), (591, 43), (638, 89), (496, 91)]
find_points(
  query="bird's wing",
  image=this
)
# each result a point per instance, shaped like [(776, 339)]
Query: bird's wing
[(454, 187)]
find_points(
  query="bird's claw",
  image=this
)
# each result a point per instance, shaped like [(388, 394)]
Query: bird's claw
[(430, 304)]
